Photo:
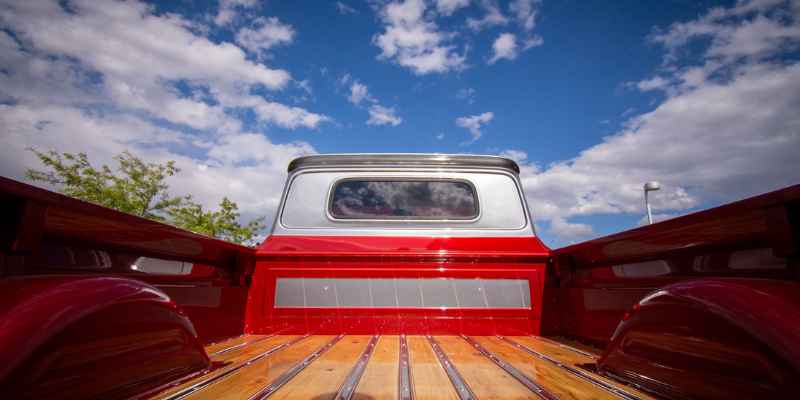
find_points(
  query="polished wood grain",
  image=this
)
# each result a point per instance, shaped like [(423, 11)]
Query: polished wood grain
[(232, 360), (380, 379), (565, 356), (552, 378), (485, 378), (429, 379), (322, 379)]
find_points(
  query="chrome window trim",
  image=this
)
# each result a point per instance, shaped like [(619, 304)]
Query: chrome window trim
[(329, 199), (527, 230), (404, 159)]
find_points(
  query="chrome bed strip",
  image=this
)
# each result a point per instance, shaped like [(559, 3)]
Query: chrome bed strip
[(240, 345), (511, 370), (575, 371), (296, 369), (463, 390), (405, 388), (351, 382), (185, 392)]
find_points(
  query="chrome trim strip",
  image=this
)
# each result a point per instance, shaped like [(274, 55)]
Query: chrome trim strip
[(185, 392), (400, 159), (351, 382), (405, 388), (511, 370), (565, 346), (296, 369), (240, 345), (575, 371), (463, 390)]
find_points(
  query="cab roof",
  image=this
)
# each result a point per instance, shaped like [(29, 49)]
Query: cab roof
[(403, 160)]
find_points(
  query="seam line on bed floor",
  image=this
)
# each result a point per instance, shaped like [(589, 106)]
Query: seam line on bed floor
[(240, 345), (566, 346), (405, 389), (351, 382), (577, 372), (185, 392), (525, 380), (296, 369), (462, 389)]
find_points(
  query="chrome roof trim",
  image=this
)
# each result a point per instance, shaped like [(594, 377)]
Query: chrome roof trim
[(403, 160)]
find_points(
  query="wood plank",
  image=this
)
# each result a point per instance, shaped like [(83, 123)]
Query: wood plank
[(552, 378), (380, 379), (256, 376), (232, 360), (322, 379), (429, 379), (547, 370), (484, 377)]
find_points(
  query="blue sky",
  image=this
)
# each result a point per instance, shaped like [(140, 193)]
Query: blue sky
[(591, 99)]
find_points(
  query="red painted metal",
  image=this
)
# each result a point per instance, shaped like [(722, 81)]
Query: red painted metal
[(712, 339), (396, 257), (57, 331), (585, 299)]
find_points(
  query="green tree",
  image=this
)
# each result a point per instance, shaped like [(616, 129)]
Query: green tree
[(222, 223), (140, 188)]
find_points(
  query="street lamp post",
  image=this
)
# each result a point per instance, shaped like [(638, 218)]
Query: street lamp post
[(651, 186)]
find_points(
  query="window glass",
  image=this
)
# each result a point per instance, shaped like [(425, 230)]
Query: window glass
[(756, 259), (403, 200)]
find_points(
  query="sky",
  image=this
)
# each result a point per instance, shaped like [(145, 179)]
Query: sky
[(592, 99)]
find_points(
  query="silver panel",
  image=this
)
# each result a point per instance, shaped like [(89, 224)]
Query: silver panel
[(351, 382), (303, 209), (187, 391), (575, 371), (463, 390), (292, 372), (511, 370), (402, 293)]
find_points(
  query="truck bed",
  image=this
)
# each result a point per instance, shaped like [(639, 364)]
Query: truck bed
[(371, 367)]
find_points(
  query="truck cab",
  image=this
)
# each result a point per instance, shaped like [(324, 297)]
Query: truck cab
[(398, 276)]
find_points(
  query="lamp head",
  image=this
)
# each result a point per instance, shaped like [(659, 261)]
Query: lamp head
[(651, 186)]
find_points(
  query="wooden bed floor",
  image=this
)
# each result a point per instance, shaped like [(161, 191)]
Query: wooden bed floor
[(397, 367)]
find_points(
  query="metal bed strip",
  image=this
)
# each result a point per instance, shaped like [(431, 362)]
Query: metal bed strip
[(296, 369), (405, 388), (185, 392), (575, 371), (462, 389), (350, 383), (511, 370)]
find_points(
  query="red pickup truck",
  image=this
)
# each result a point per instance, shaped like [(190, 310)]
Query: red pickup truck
[(398, 277)]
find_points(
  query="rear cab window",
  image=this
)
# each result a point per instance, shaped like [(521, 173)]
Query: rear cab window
[(403, 199)]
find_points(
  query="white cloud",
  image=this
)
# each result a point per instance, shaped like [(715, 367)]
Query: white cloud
[(525, 12), (415, 42), (448, 7), (265, 34), (570, 231), (466, 94), (504, 47), (103, 77), (711, 141), (358, 93), (493, 17), (379, 115), (655, 83), (474, 123), (345, 9), (229, 10)]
